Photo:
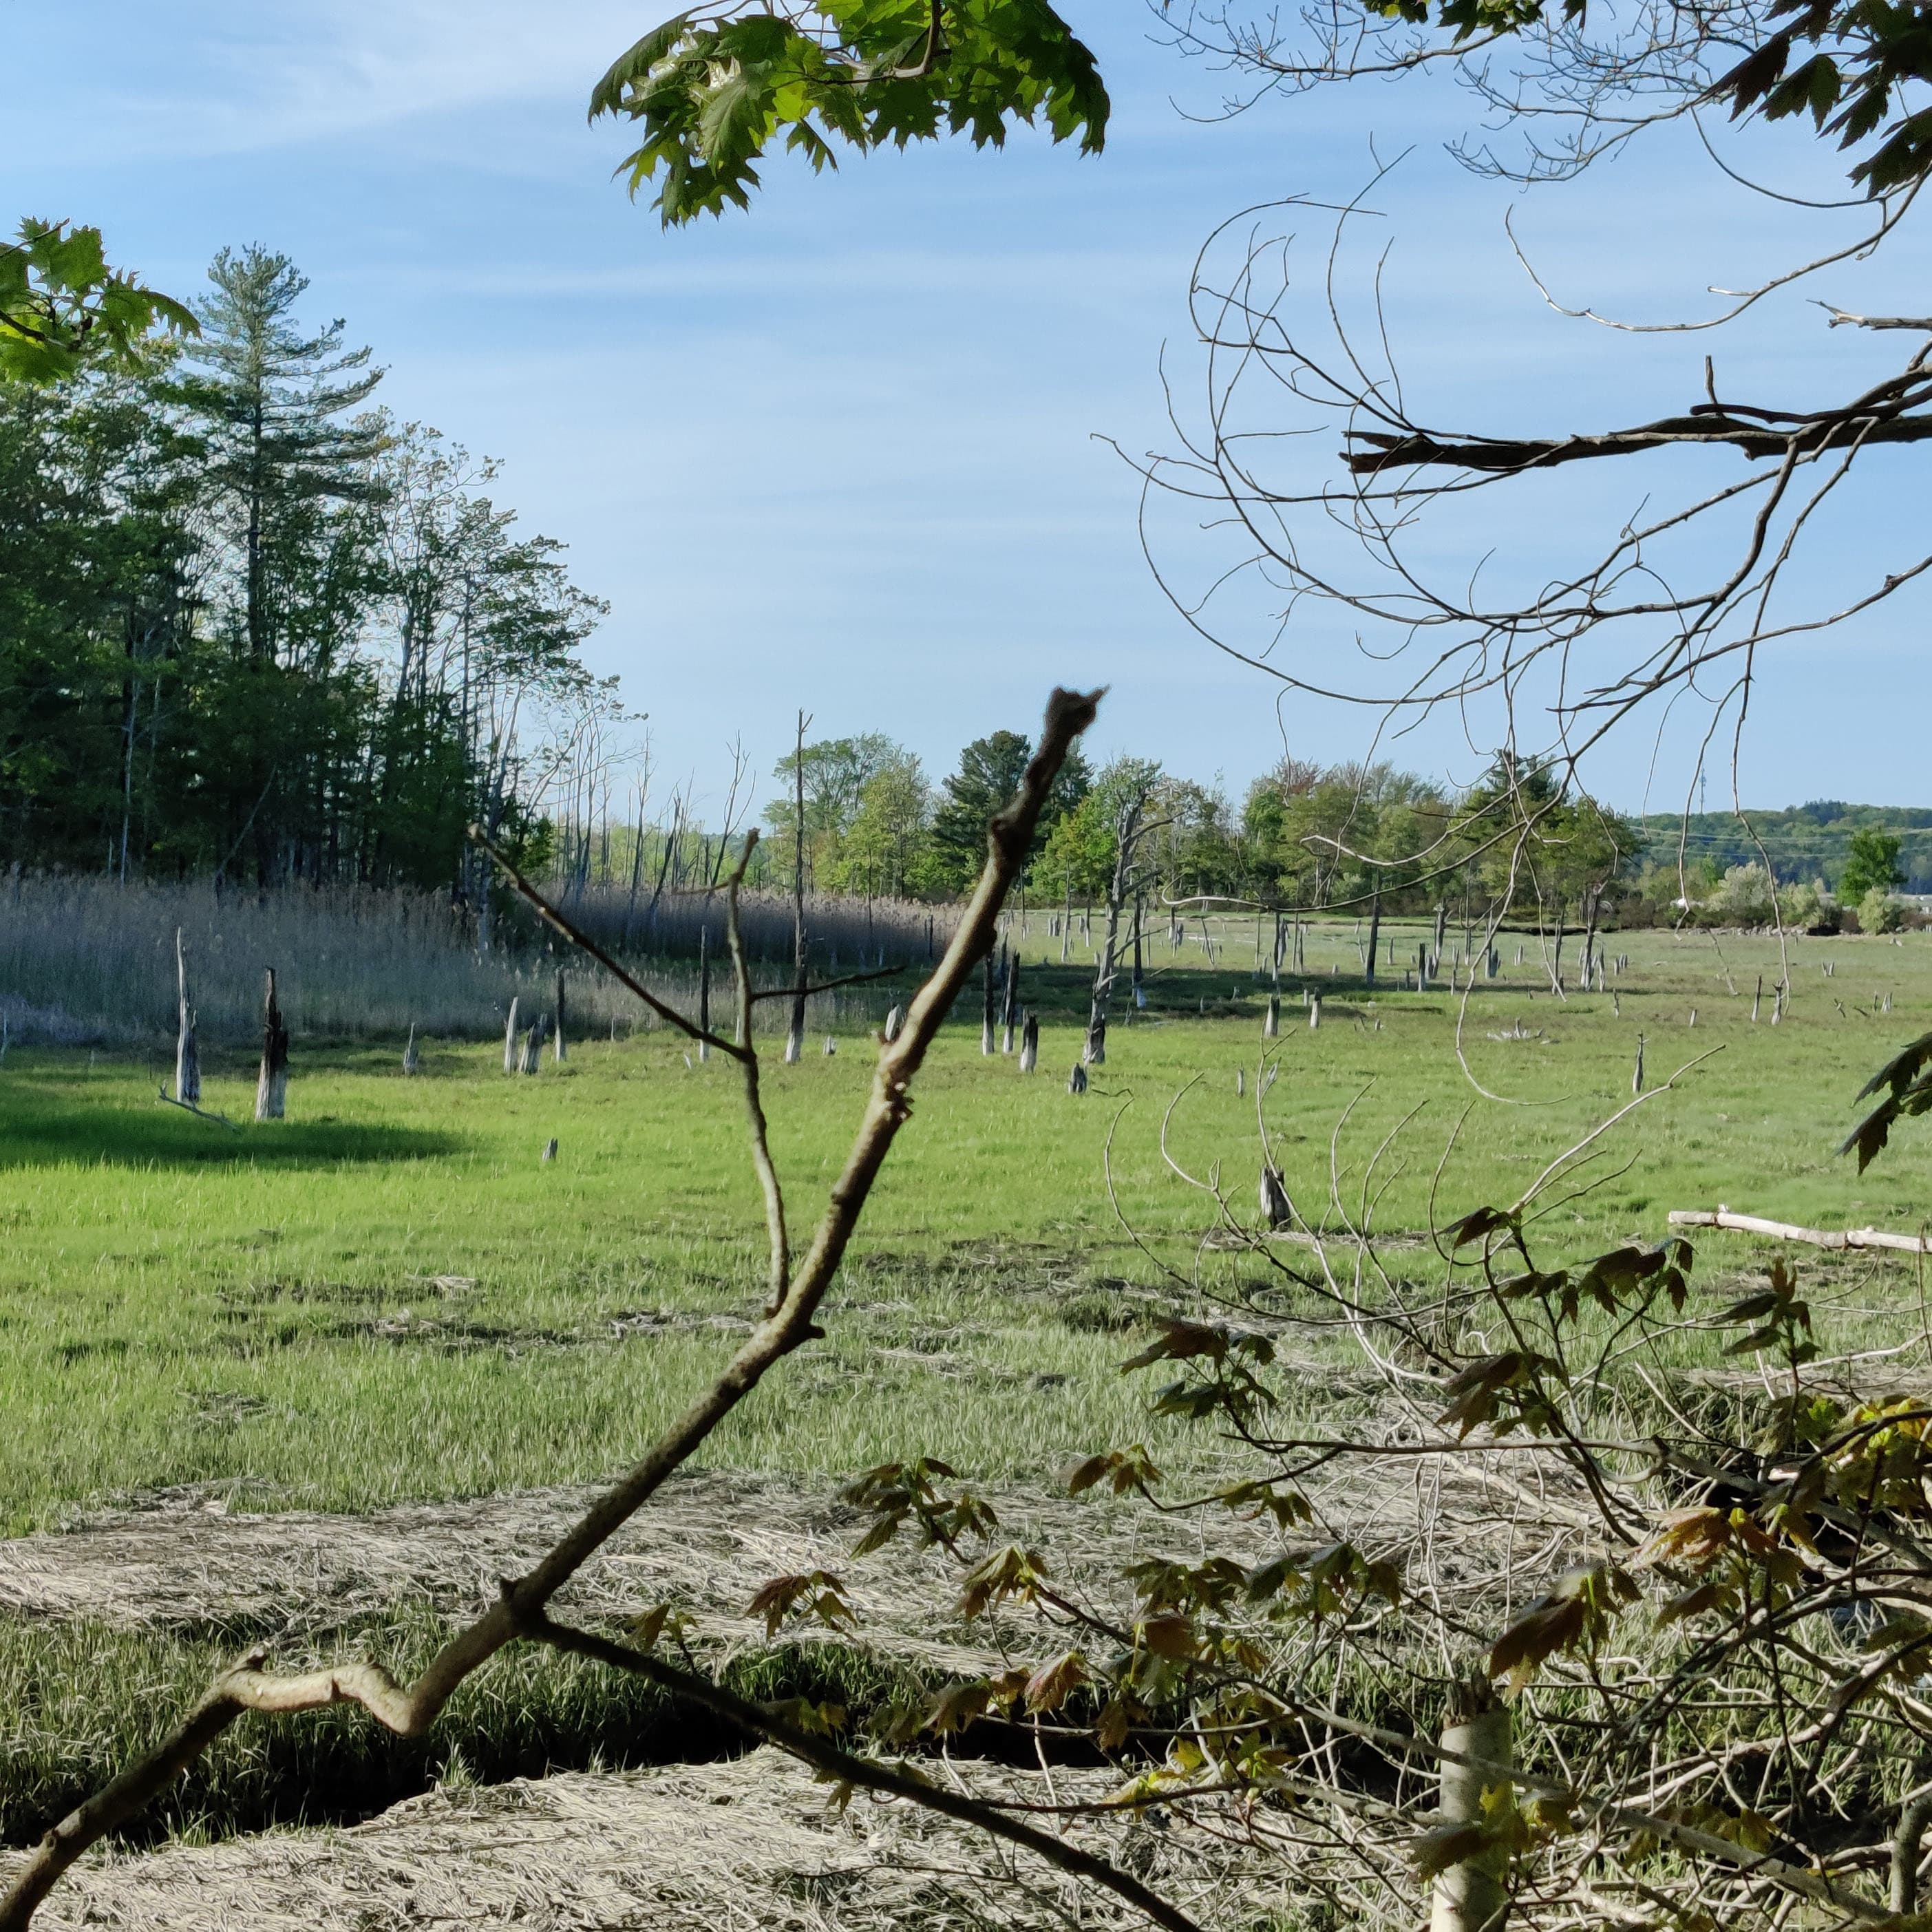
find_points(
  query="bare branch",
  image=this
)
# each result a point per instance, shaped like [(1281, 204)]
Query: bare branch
[(867, 1773)]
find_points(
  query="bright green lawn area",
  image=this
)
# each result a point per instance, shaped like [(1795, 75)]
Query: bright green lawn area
[(181, 1304)]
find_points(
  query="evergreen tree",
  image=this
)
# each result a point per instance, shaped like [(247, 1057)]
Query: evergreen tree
[(290, 484), (989, 773)]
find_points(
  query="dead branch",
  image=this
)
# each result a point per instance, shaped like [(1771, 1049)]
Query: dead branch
[(1786, 1231), (1422, 450), (550, 915), (410, 1710), (167, 1099), (830, 985)]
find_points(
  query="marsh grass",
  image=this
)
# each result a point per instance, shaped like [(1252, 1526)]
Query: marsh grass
[(84, 961), (391, 1297)]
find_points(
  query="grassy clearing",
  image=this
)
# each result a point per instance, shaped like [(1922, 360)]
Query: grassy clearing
[(389, 1296)]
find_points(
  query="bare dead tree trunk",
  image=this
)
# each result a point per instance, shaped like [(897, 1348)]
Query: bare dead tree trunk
[(1592, 903), (1030, 1043), (1441, 927), (1140, 913), (559, 1050), (411, 1059), (795, 1039), (1127, 836), (510, 1038), (1277, 1210), (704, 988), (532, 1055), (1271, 1025), (272, 1083), (1010, 1005), (986, 1007), (1375, 940), (188, 1058)]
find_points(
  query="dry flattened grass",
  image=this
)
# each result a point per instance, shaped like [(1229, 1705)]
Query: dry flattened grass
[(750, 1842), (708, 1542), (711, 1539)]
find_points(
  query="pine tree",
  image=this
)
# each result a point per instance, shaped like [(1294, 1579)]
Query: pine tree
[(289, 478)]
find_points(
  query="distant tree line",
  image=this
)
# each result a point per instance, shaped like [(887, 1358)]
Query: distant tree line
[(1337, 838), (1803, 843), (251, 625)]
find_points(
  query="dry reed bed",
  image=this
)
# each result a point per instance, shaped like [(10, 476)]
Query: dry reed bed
[(85, 961)]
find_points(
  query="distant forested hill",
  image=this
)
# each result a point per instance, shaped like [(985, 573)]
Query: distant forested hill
[(1804, 841)]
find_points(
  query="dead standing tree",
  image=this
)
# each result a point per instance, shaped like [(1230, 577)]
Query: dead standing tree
[(795, 1033), (1130, 829), (188, 1058), (797, 1285)]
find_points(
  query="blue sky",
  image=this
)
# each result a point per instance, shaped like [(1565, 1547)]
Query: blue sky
[(848, 452)]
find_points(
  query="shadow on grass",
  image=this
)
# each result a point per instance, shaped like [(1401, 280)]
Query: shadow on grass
[(44, 1126)]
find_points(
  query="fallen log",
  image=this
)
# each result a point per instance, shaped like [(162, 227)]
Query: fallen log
[(1784, 1231)]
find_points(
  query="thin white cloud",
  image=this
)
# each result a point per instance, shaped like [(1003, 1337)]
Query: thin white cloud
[(238, 77)]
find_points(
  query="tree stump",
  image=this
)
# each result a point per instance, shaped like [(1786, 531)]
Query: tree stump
[(272, 1083), (1030, 1043), (1277, 1210), (895, 1023), (411, 1059), (1472, 1895), (559, 1050), (510, 1038), (1076, 1081)]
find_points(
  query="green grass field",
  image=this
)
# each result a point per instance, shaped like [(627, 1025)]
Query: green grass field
[(390, 1296)]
